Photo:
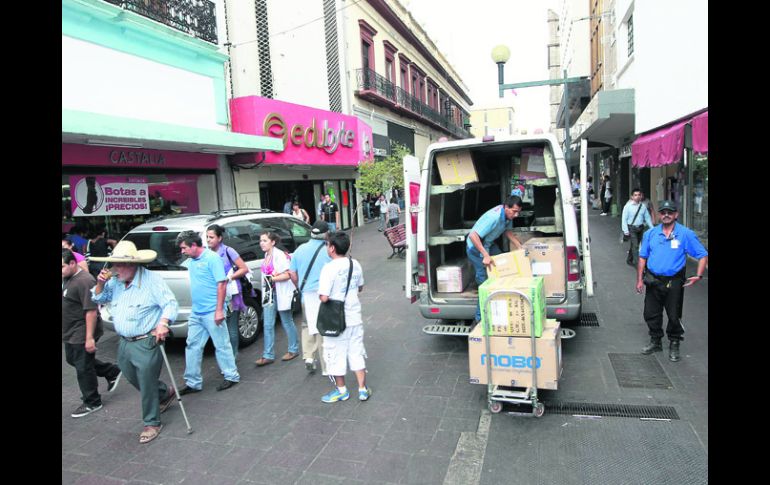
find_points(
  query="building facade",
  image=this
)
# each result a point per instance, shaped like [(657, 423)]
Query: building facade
[(367, 59), (144, 113)]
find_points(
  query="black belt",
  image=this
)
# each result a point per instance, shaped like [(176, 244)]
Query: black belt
[(666, 279), (134, 339)]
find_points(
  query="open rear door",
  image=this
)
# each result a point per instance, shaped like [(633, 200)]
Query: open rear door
[(585, 209), (412, 192)]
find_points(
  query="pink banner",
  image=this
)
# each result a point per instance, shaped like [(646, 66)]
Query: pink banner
[(97, 156), (310, 136), (659, 148), (700, 133)]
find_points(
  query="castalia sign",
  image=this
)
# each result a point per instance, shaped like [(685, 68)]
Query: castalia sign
[(119, 157)]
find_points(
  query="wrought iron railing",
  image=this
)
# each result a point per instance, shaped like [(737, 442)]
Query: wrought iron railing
[(371, 81), (195, 17)]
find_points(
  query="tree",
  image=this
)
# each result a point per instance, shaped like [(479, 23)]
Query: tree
[(384, 175)]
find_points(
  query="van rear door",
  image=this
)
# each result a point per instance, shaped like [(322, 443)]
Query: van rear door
[(412, 192)]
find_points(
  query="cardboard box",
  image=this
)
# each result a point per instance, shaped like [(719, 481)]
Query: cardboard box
[(549, 261), (532, 164), (511, 358), (456, 168), (510, 315), (513, 263), (454, 276)]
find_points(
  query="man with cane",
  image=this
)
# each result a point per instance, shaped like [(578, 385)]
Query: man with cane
[(142, 306)]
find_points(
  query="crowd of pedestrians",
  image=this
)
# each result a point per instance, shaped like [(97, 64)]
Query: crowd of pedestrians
[(142, 307)]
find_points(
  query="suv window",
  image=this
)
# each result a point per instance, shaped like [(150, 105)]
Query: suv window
[(169, 257), (276, 225), (300, 232), (243, 236)]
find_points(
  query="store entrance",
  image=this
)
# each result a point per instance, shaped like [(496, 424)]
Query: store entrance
[(275, 194)]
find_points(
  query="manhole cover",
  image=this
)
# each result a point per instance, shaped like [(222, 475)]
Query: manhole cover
[(639, 371)]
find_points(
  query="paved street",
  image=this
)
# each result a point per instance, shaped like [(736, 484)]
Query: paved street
[(423, 418)]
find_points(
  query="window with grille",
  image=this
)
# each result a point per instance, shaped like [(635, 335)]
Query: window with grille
[(263, 41), (630, 35), (332, 56)]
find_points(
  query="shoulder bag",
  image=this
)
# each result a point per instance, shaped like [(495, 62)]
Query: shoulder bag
[(631, 227), (331, 313), (246, 287), (296, 299)]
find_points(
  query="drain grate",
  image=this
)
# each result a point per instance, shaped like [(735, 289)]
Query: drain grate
[(611, 410), (639, 371), (586, 320)]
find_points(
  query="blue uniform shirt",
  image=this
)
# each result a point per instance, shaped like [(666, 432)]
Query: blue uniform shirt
[(300, 261), (205, 273), (490, 226), (666, 257)]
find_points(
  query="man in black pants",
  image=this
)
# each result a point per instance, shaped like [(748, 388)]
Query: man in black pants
[(81, 328), (663, 255)]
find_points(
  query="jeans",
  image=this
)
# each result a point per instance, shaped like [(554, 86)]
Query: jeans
[(477, 259), (141, 362), (367, 210), (232, 330), (269, 315), (332, 226), (381, 227), (88, 368), (199, 329), (635, 238)]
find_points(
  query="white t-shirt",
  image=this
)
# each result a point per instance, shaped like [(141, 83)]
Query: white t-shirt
[(332, 281)]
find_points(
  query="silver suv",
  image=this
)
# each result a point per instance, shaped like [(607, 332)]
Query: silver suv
[(242, 230)]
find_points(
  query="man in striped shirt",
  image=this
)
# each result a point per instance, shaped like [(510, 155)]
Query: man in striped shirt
[(142, 306)]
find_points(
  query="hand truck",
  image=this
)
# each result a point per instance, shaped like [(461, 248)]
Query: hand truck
[(497, 395)]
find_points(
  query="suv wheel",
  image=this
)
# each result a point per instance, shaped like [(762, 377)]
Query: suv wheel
[(249, 322)]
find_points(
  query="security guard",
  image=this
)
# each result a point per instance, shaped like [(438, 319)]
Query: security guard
[(664, 248)]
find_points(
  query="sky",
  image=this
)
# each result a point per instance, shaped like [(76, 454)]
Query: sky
[(465, 31)]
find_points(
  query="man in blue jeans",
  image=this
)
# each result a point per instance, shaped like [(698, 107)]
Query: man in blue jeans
[(208, 284), (481, 240)]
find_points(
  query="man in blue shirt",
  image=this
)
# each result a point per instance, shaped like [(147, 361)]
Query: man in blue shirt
[(208, 285), (312, 341), (480, 245), (633, 221), (663, 255), (142, 306)]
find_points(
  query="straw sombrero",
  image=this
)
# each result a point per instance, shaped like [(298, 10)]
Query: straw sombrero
[(126, 252)]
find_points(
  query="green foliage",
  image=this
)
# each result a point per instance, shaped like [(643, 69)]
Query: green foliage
[(384, 175)]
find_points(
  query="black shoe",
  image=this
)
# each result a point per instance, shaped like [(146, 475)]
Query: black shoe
[(168, 401), (673, 351), (113, 383), (226, 385), (188, 390), (653, 346), (84, 410)]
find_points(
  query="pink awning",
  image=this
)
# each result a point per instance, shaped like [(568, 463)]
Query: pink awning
[(665, 146), (700, 133)]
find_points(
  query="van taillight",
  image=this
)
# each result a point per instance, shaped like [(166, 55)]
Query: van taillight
[(573, 264), (422, 274)]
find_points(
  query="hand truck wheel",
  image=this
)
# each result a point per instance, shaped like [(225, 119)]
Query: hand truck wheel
[(538, 410), (495, 407)]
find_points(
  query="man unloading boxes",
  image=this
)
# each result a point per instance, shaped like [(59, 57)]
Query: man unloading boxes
[(481, 240)]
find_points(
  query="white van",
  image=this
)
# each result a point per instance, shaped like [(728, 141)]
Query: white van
[(442, 215)]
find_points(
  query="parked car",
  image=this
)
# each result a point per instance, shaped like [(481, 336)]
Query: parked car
[(242, 230)]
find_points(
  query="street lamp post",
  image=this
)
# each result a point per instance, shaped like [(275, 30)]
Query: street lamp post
[(501, 54)]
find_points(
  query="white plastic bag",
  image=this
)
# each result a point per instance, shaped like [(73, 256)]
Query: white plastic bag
[(232, 285)]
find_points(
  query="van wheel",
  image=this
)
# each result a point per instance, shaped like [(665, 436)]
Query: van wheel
[(250, 322)]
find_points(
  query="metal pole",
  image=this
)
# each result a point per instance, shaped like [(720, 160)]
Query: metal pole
[(566, 121), (173, 384)]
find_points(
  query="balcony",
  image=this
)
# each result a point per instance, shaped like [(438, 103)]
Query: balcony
[(194, 17), (378, 90)]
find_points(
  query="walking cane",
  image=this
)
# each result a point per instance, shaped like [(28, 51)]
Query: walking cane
[(173, 384)]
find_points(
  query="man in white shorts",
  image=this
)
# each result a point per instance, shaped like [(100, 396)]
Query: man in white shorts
[(348, 348)]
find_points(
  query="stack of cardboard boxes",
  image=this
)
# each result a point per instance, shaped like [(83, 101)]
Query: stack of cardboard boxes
[(508, 322)]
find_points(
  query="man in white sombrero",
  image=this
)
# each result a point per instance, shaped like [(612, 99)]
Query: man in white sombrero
[(142, 306)]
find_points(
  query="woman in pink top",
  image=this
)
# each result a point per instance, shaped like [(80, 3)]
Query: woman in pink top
[(277, 292), (66, 243)]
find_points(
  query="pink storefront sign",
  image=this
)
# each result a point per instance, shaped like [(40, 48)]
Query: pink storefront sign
[(310, 136), (73, 154)]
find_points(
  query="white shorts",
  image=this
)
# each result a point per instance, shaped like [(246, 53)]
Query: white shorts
[(346, 349)]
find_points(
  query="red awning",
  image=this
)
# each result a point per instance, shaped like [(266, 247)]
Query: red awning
[(665, 146), (700, 133)]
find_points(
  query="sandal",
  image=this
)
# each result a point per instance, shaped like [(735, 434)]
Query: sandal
[(149, 433), (263, 361), (289, 356)]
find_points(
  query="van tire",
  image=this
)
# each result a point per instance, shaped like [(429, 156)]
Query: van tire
[(250, 322)]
